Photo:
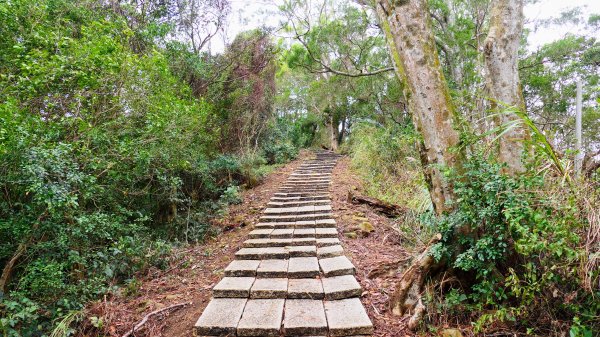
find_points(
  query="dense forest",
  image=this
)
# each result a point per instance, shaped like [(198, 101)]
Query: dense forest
[(124, 134)]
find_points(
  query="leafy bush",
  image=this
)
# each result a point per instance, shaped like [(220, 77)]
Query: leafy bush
[(387, 161), (279, 153), (108, 157), (515, 249)]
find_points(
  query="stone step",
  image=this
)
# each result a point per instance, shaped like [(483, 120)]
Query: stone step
[(287, 243), (321, 223), (275, 252), (308, 180), (305, 288), (340, 287), (324, 184), (303, 191), (323, 242), (284, 198), (280, 196), (275, 283), (290, 278), (303, 267), (242, 268), (274, 204), (295, 233), (301, 210), (330, 232), (269, 288), (347, 317), (299, 175), (298, 217), (261, 317), (290, 242), (309, 195), (272, 268), (264, 317), (220, 317), (304, 317), (330, 251), (233, 287), (336, 266)]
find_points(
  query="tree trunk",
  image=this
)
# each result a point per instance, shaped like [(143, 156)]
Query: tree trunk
[(331, 126), (412, 45), (8, 269), (342, 132), (501, 50)]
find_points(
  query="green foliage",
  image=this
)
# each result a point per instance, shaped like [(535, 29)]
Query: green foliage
[(341, 37), (516, 247), (388, 163), (549, 76), (108, 154)]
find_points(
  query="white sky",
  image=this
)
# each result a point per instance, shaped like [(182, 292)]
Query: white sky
[(249, 14), (545, 9)]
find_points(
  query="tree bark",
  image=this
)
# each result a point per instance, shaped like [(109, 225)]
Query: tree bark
[(8, 269), (333, 134), (501, 50), (407, 26)]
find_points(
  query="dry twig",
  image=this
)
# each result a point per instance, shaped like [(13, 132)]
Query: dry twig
[(155, 312)]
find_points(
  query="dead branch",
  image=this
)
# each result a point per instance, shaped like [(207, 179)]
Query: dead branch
[(381, 206), (155, 312)]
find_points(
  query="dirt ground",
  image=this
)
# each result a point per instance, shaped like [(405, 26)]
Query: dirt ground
[(196, 269), (370, 253)]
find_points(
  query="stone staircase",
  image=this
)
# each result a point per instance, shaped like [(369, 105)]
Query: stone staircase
[(291, 278)]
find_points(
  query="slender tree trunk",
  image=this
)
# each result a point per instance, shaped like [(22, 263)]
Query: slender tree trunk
[(342, 132), (501, 51), (412, 45), (332, 133)]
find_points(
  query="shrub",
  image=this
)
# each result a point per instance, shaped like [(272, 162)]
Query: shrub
[(279, 153), (387, 161), (515, 249)]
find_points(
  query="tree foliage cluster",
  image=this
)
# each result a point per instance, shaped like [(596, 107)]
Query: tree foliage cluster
[(119, 137)]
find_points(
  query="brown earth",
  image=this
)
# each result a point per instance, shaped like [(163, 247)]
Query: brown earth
[(195, 269), (376, 255)]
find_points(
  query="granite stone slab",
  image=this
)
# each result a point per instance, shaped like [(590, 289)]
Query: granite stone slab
[(339, 287), (336, 266), (303, 267), (330, 251), (347, 317), (302, 251), (261, 317), (242, 268), (326, 233), (272, 268), (304, 318), (233, 287), (220, 317), (306, 288), (269, 288)]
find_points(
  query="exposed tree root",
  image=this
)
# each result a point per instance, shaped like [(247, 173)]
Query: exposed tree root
[(407, 298)]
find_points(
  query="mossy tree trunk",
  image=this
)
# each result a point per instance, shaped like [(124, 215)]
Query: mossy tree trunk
[(412, 46), (411, 43), (501, 51)]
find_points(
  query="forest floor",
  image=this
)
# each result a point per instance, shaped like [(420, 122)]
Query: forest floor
[(195, 269)]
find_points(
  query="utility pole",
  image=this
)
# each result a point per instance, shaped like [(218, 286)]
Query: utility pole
[(578, 149)]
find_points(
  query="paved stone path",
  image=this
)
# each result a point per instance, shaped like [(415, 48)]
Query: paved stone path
[(291, 278)]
